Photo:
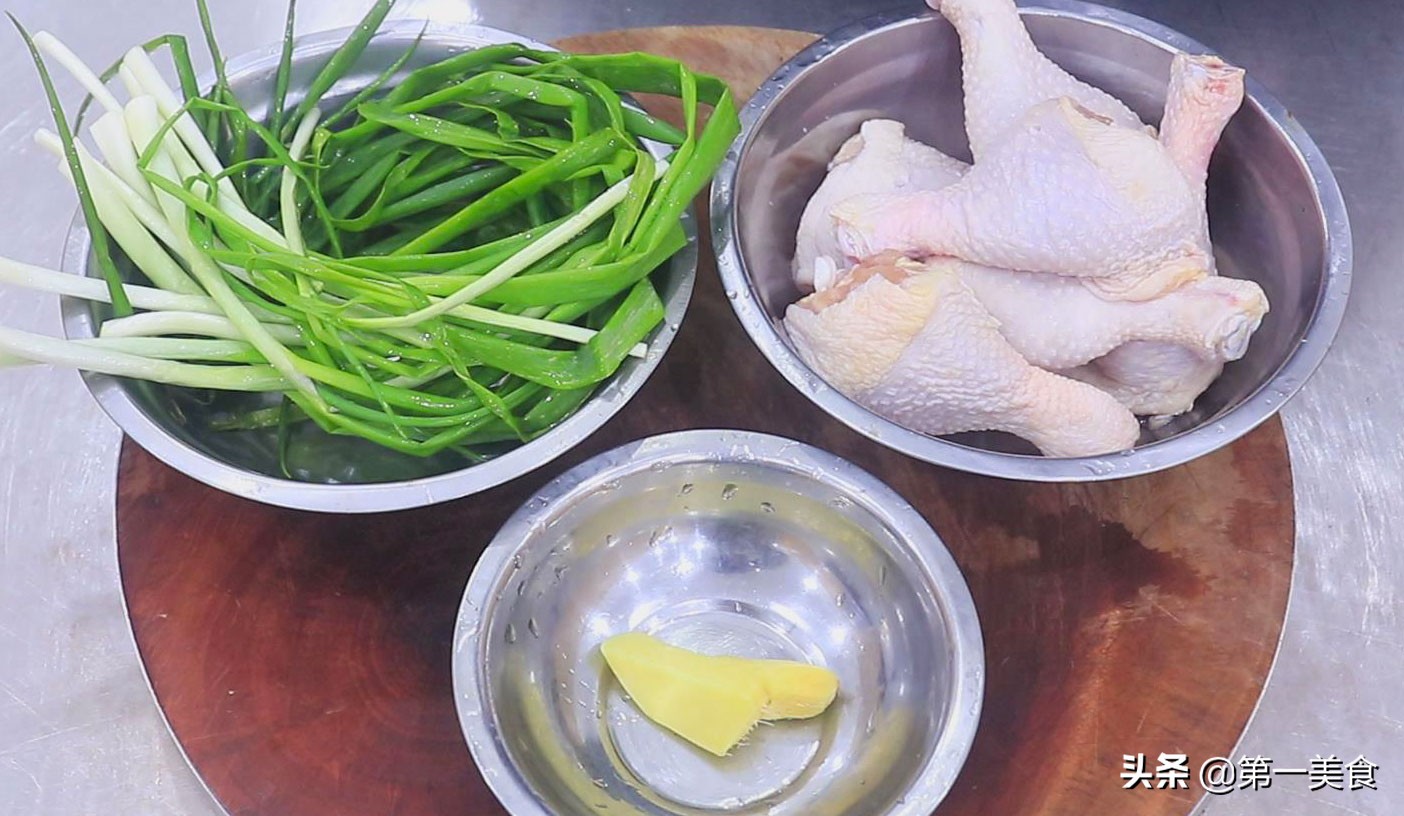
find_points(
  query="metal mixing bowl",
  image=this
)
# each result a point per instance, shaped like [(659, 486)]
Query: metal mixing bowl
[(728, 542), (1276, 215), (339, 473)]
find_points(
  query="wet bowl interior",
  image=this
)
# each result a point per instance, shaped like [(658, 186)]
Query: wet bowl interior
[(1274, 208), (732, 543), (339, 473)]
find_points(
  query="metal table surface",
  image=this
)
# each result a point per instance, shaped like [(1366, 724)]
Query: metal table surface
[(79, 731)]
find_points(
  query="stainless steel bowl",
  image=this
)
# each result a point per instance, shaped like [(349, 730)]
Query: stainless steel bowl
[(1276, 214), (346, 474), (730, 542)]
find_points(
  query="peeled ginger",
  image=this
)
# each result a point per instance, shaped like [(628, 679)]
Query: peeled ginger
[(713, 701)]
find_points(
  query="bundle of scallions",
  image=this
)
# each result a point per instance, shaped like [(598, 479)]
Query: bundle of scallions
[(444, 263)]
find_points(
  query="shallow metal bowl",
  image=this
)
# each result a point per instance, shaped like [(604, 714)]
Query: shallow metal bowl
[(1275, 211), (726, 542), (337, 473)]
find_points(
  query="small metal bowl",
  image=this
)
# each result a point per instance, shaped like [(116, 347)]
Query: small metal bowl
[(728, 542), (346, 474), (1276, 213)]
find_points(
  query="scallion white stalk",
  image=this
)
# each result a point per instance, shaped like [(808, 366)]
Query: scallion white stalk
[(174, 348), (147, 213), (115, 143), (157, 324), (287, 193), (129, 81), (189, 135), (206, 272), (51, 46), (533, 325), (28, 276), (43, 349)]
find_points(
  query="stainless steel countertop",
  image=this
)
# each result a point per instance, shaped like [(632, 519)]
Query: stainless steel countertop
[(79, 733)]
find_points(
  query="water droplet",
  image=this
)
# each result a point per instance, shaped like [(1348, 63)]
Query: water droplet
[(521, 588), (517, 561), (685, 489), (511, 634), (531, 627), (732, 294), (729, 492), (882, 575), (838, 600), (767, 507), (610, 540)]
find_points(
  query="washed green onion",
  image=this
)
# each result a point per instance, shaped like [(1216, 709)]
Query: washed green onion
[(455, 257)]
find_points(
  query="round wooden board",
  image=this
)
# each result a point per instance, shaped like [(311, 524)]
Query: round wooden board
[(303, 660)]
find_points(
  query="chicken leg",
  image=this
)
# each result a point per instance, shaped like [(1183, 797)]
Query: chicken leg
[(1204, 94), (1066, 191), (1157, 378), (912, 343), (1057, 323), (1004, 74), (880, 158)]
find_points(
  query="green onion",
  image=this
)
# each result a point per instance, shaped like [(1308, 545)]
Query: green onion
[(450, 265)]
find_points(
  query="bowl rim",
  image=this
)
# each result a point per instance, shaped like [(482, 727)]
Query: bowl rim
[(473, 699), (1265, 401), (111, 395)]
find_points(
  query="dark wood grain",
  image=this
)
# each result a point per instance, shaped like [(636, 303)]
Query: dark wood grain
[(303, 660)]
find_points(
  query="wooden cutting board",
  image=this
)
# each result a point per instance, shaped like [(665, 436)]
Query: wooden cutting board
[(303, 660)]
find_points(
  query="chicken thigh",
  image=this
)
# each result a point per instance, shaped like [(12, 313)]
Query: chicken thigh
[(911, 342), (1156, 378), (1067, 192), (880, 158), (1057, 323), (1004, 74)]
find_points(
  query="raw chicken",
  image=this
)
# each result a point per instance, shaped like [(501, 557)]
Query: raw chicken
[(880, 158), (1004, 74), (911, 342), (1114, 308), (1066, 191), (1057, 323), (1205, 92), (1158, 380), (1161, 379)]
